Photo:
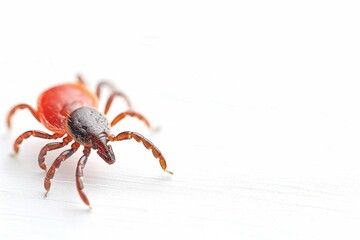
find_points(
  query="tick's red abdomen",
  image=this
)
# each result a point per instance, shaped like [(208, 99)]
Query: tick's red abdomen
[(56, 103)]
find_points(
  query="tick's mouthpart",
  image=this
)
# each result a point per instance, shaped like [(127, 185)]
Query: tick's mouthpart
[(105, 151)]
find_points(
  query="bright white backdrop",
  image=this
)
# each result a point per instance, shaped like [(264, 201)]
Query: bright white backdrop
[(258, 104)]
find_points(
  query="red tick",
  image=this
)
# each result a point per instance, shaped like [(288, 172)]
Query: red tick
[(70, 111)]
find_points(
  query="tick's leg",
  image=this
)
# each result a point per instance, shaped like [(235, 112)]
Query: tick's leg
[(34, 133), (131, 114), (79, 174), (114, 94), (80, 80), (149, 145), (56, 164), (50, 147), (103, 84), (21, 106), (111, 99)]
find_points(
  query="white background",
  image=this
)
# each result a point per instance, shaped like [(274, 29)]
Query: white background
[(258, 104)]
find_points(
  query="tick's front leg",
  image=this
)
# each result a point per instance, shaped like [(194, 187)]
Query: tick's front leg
[(50, 147), (56, 164), (79, 174), (34, 133), (147, 144)]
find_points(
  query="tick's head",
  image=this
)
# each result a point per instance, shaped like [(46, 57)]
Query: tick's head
[(90, 128)]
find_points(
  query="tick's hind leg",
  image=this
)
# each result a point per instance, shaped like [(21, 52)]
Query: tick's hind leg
[(50, 147), (149, 145), (103, 84), (79, 174), (80, 80), (56, 164), (33, 111), (111, 99), (34, 133), (131, 114), (114, 94)]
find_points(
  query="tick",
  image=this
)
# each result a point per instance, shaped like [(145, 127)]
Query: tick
[(70, 111)]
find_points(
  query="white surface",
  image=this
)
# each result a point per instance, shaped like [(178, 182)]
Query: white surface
[(258, 104)]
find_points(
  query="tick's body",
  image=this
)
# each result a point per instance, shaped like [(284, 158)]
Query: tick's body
[(70, 110), (55, 104)]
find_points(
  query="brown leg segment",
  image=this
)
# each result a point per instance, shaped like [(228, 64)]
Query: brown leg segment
[(21, 106), (101, 85), (80, 80), (56, 164), (149, 145), (34, 133), (112, 96), (50, 147), (131, 114), (79, 174)]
